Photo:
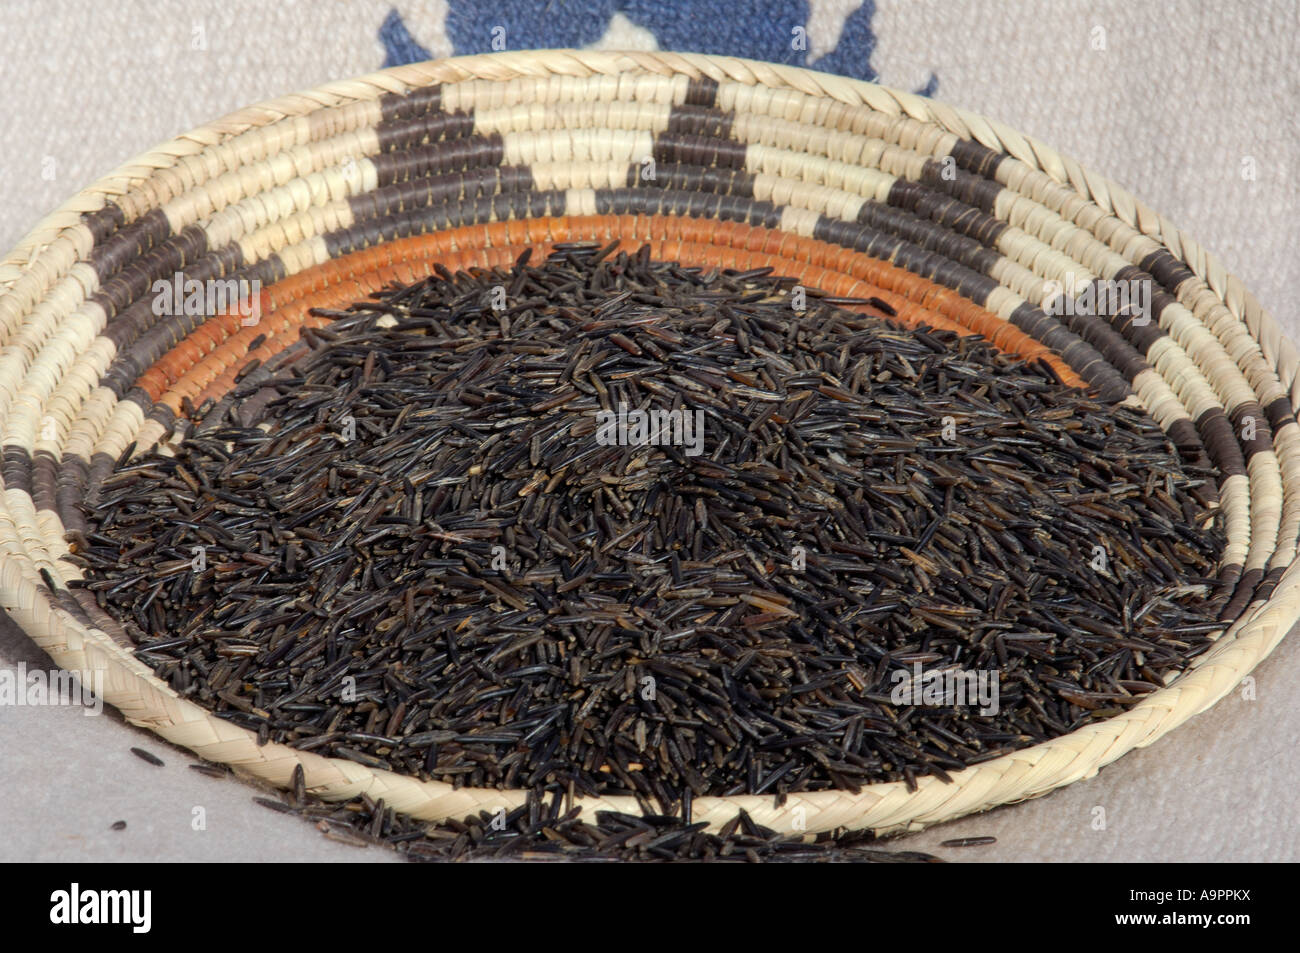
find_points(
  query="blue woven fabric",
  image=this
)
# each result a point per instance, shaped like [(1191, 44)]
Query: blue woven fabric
[(399, 46), (771, 30)]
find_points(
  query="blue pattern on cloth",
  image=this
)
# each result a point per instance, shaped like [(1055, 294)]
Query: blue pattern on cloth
[(770, 30), (400, 47)]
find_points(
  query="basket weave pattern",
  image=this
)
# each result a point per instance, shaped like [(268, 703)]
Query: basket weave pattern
[(953, 220)]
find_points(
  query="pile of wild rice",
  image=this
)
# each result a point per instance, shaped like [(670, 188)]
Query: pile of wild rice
[(427, 559), (547, 830)]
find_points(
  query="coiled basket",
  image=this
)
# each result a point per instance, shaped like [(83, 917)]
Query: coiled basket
[(323, 197)]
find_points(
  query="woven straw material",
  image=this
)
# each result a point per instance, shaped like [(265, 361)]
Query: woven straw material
[(953, 220)]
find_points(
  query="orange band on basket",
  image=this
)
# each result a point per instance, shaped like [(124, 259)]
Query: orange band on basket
[(205, 364)]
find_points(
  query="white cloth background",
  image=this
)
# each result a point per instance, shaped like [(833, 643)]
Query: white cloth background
[(1184, 100)]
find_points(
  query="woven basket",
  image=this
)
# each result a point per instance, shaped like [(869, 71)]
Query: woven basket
[(323, 197)]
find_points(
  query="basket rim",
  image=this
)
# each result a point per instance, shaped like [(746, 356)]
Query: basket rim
[(884, 806)]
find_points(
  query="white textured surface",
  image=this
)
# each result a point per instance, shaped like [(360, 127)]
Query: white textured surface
[(1182, 95), (66, 777)]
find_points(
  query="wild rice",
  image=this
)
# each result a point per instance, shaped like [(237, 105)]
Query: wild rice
[(406, 544)]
